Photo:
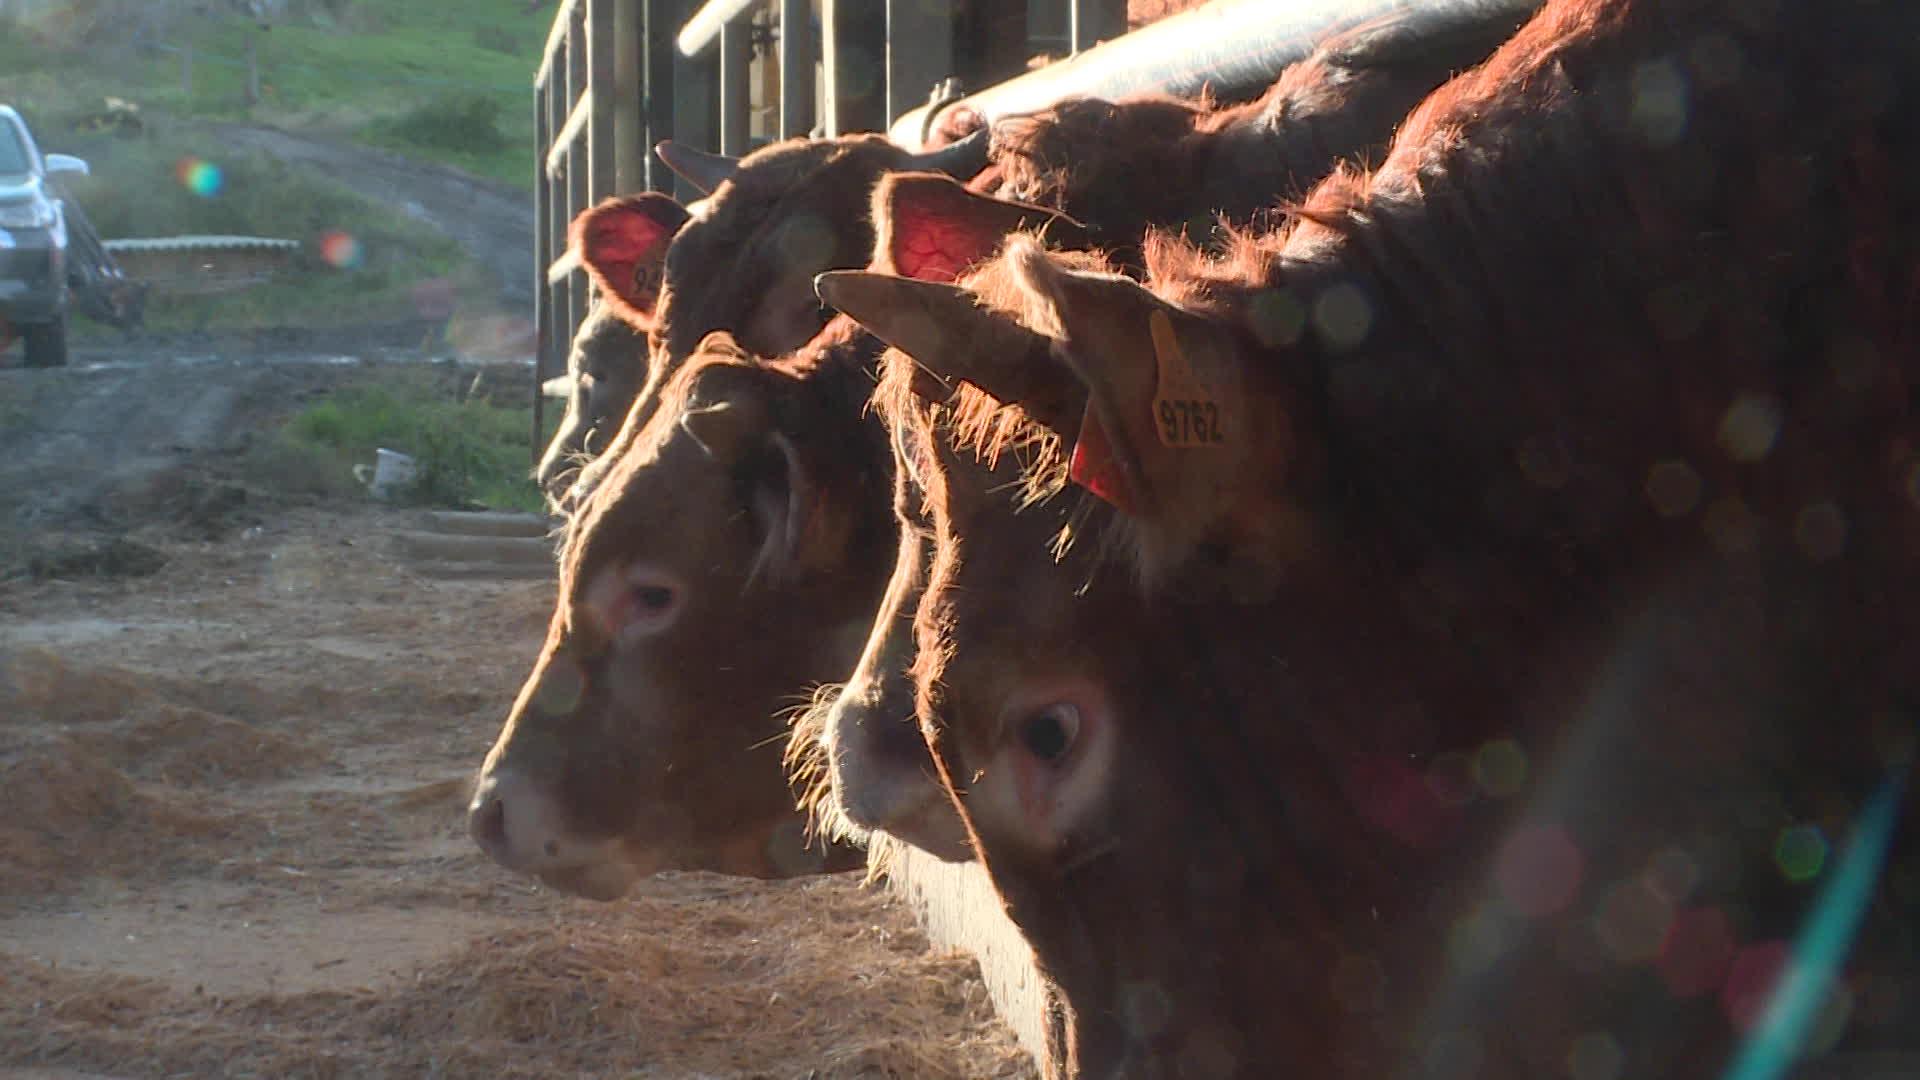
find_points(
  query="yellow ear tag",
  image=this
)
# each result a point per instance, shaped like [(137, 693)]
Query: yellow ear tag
[(1184, 410)]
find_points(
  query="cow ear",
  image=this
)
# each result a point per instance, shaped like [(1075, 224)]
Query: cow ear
[(929, 226), (623, 244), (950, 337)]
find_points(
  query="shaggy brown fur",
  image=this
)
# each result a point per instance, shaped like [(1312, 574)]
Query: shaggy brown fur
[(1163, 162), (1614, 460)]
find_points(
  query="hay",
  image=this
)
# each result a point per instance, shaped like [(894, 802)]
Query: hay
[(66, 815), (740, 979), (181, 744)]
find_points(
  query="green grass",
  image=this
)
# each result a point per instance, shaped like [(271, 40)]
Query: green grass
[(134, 191), (355, 69), (469, 450)]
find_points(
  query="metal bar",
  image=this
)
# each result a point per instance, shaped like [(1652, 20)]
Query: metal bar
[(630, 148), (542, 259), (576, 164), (853, 44), (736, 95), (660, 89), (571, 129), (1047, 26), (1089, 22), (599, 98), (709, 23), (562, 15), (566, 263), (695, 110), (1235, 48), (798, 49), (919, 50)]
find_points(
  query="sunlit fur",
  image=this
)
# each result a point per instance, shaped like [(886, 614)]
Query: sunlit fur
[(1694, 678)]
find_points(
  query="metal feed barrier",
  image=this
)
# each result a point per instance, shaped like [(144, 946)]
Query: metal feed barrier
[(619, 76)]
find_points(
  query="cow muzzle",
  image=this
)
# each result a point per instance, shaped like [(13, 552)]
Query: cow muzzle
[(520, 827), (882, 777)]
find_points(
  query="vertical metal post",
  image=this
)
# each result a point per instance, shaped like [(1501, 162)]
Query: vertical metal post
[(1089, 22), (662, 23), (1047, 29), (853, 42), (736, 105), (578, 168), (919, 51), (627, 104), (695, 109), (543, 256), (797, 54), (602, 154)]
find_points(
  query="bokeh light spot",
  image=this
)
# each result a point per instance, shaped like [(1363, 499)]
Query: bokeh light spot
[(1343, 315), (1732, 527), (1539, 870), (560, 688), (1632, 921), (1596, 1056), (1821, 531), (1673, 487), (1450, 778), (1750, 982), (1800, 852), (1500, 768), (1146, 1008), (1476, 941), (1695, 954), (1659, 102), (340, 249), (199, 176), (1673, 874), (1277, 317), (1455, 1054), (1749, 427)]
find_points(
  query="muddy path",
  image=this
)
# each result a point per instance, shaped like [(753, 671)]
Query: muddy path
[(493, 222), (231, 794)]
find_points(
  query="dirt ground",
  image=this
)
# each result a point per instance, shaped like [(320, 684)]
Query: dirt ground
[(236, 734)]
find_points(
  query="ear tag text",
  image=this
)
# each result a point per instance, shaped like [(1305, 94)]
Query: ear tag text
[(1185, 412)]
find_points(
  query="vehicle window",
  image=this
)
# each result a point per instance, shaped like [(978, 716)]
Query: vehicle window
[(13, 151)]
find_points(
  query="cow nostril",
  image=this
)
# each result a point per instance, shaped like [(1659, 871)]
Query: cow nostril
[(487, 822)]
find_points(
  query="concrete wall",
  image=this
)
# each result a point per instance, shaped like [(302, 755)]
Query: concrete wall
[(959, 909)]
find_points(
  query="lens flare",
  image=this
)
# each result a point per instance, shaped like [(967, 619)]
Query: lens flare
[(341, 250), (201, 177)]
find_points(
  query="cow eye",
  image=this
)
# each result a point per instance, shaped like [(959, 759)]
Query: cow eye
[(1048, 733), (650, 606)]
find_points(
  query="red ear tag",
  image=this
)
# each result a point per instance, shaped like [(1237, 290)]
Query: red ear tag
[(1093, 466)]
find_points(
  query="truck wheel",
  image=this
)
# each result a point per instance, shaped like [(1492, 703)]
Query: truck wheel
[(47, 344)]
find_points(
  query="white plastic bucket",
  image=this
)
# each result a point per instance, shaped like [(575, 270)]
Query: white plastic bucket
[(390, 470)]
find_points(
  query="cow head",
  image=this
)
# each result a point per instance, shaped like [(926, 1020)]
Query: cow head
[(605, 369), (743, 258), (699, 599), (876, 770)]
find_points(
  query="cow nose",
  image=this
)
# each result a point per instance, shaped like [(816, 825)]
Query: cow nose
[(487, 821), (517, 824)]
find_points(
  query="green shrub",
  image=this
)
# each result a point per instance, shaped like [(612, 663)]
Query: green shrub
[(465, 122), (466, 450)]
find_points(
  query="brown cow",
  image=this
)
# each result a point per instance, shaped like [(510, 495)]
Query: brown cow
[(1569, 461), (1298, 134), (606, 367), (1159, 161), (730, 559), (745, 258)]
